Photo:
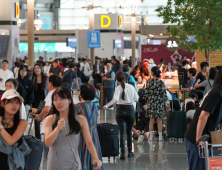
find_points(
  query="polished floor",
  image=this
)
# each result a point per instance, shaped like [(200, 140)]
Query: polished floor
[(155, 155)]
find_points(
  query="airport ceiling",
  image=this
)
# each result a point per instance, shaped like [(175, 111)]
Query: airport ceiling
[(39, 1)]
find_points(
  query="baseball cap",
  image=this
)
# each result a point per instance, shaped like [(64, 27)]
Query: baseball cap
[(151, 61), (10, 94)]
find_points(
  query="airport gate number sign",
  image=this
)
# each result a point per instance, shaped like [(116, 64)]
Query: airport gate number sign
[(94, 39)]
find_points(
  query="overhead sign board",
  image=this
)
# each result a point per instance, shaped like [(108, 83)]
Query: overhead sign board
[(17, 10), (108, 21), (71, 42), (93, 39)]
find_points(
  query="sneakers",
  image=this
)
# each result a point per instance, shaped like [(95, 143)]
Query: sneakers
[(140, 139), (161, 138)]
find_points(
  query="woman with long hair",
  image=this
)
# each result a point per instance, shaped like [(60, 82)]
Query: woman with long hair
[(145, 73), (12, 129), (125, 94), (156, 98), (88, 109), (62, 134), (40, 84), (25, 88)]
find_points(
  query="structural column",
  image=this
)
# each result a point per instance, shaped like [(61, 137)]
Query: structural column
[(133, 32), (91, 27), (31, 55)]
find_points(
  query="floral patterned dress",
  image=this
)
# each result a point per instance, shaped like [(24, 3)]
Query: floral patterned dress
[(155, 94)]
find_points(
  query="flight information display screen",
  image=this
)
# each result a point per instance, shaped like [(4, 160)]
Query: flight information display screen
[(4, 41)]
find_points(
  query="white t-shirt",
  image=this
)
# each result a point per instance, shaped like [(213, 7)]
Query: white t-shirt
[(190, 114), (48, 102), (130, 94), (86, 69), (5, 75), (23, 112)]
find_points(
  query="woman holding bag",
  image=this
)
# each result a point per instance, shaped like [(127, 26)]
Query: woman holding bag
[(62, 134)]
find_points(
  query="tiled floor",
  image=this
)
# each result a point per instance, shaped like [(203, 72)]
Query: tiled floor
[(166, 155)]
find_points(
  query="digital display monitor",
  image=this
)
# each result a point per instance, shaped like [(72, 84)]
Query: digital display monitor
[(4, 41), (71, 42), (117, 43)]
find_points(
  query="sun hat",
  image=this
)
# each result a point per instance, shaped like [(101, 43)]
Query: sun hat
[(10, 94)]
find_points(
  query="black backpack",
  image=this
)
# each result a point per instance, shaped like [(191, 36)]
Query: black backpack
[(66, 78)]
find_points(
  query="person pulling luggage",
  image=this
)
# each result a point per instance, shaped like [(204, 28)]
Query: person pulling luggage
[(124, 95)]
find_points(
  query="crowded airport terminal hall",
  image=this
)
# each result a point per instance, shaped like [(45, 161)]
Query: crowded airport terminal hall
[(110, 84)]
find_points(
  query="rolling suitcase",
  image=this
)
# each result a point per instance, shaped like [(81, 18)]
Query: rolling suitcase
[(176, 121), (176, 124), (33, 159), (109, 141)]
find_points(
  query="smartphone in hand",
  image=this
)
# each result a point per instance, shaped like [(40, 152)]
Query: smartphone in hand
[(93, 165)]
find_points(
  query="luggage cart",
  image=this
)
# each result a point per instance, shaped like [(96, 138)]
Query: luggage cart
[(211, 153)]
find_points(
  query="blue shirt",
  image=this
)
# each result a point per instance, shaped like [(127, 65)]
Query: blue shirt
[(72, 75), (131, 79)]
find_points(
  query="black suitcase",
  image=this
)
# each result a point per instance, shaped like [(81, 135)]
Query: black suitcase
[(33, 159), (109, 141), (176, 124)]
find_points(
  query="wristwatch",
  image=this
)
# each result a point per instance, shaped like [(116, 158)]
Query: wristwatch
[(2, 127)]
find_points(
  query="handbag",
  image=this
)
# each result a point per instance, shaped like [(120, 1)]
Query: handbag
[(77, 160), (216, 136)]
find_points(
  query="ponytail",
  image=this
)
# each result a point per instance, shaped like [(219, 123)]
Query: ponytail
[(120, 77), (123, 93)]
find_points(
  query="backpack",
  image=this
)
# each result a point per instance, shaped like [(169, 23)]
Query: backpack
[(127, 79), (66, 78)]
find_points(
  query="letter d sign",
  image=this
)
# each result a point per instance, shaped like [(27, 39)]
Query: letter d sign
[(102, 21), (17, 12)]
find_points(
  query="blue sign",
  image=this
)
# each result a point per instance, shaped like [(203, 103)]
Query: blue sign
[(71, 42), (93, 39)]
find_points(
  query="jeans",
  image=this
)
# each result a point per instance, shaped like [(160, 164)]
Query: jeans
[(194, 161), (44, 154), (108, 94), (125, 117), (74, 86)]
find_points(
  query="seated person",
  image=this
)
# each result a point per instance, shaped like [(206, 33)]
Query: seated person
[(192, 98), (190, 84)]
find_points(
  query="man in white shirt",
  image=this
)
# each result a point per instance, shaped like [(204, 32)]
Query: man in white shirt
[(5, 74), (152, 64), (54, 83), (86, 67)]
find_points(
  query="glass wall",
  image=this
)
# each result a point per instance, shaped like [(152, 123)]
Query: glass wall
[(72, 16)]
